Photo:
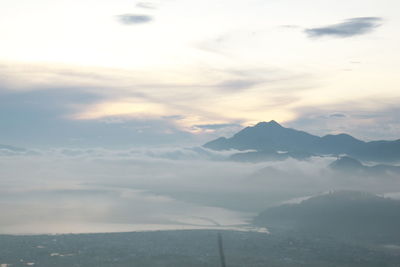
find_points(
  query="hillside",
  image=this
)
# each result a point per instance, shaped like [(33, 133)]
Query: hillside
[(348, 214)]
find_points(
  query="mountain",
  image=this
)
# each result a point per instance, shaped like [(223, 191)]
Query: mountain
[(265, 136), (269, 140), (350, 165), (347, 164), (344, 214)]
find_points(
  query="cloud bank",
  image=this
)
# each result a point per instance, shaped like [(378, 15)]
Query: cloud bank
[(119, 190)]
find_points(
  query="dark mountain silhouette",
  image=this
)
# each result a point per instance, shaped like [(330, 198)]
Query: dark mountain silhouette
[(270, 139), (265, 136), (345, 214), (350, 165)]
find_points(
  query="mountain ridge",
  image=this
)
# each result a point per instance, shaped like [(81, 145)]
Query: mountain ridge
[(352, 166), (337, 213), (272, 137)]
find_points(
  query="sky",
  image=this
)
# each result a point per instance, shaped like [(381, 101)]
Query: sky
[(124, 72)]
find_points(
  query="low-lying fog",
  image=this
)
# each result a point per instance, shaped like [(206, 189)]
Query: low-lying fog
[(97, 190)]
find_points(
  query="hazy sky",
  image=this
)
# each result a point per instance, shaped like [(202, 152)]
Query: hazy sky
[(156, 72)]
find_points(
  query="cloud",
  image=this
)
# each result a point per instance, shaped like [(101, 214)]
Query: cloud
[(131, 19), (366, 119), (217, 126), (65, 187), (290, 26), (74, 192), (146, 5), (41, 118), (140, 95), (338, 115), (348, 28), (237, 85), (174, 117)]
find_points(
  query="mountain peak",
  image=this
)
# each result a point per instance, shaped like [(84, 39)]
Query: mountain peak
[(271, 136), (271, 123), (346, 164)]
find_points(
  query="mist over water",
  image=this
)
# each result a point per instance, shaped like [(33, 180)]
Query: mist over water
[(99, 190)]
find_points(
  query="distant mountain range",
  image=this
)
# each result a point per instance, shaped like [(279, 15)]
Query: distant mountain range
[(344, 214), (271, 141), (353, 166)]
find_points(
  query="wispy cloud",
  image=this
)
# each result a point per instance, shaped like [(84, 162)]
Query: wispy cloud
[(348, 28), (367, 119), (146, 5), (131, 19), (238, 85), (338, 115), (217, 126)]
